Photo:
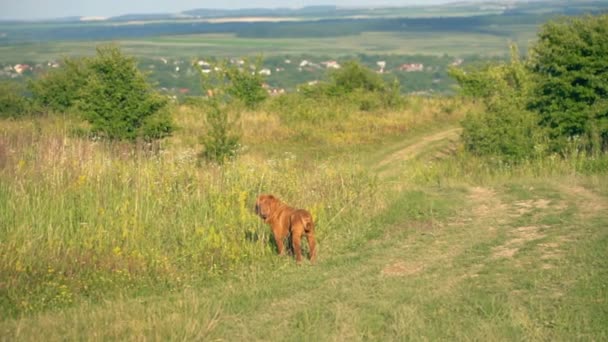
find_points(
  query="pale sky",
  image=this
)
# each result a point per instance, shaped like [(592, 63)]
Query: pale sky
[(44, 9)]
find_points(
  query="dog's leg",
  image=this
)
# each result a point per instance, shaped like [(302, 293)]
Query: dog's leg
[(279, 236), (312, 246), (296, 237), (278, 239)]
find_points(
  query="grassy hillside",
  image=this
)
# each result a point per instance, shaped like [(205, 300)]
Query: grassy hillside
[(417, 240)]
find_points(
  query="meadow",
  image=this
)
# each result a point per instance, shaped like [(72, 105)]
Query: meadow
[(417, 239), (422, 234), (228, 45)]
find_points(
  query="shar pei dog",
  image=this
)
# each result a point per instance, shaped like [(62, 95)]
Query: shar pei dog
[(287, 221)]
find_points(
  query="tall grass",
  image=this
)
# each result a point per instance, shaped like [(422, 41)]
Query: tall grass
[(84, 220)]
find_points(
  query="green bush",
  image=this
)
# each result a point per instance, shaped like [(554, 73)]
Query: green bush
[(571, 70), (111, 94), (354, 76), (59, 89), (505, 129), (357, 84), (222, 85), (243, 82), (12, 102), (220, 143), (118, 102), (246, 84)]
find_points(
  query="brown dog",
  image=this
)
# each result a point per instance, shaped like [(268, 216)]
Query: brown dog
[(284, 220)]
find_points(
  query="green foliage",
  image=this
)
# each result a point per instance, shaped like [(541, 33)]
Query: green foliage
[(354, 76), (570, 65), (59, 89), (357, 84), (555, 101), (505, 128), (12, 102), (111, 94), (118, 102), (157, 126), (246, 83), (220, 142), (224, 83), (241, 81)]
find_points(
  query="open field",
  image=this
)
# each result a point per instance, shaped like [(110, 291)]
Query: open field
[(228, 45), (111, 241)]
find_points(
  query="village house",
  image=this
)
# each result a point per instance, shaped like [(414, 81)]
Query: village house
[(457, 62), (412, 67), (331, 64), (204, 66), (21, 68)]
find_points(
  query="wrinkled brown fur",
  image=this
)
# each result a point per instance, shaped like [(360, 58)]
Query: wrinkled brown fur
[(285, 220)]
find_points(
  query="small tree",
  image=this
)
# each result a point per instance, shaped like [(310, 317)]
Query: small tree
[(118, 102), (245, 83), (220, 142)]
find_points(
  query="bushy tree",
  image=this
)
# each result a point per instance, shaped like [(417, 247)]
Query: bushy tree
[(504, 128), (570, 65), (111, 94), (118, 102)]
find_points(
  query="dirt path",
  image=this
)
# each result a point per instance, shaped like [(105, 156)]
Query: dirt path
[(413, 150)]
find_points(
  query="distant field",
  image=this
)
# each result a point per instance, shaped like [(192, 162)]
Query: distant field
[(225, 45)]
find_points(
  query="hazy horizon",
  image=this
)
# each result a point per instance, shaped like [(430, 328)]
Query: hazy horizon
[(37, 10)]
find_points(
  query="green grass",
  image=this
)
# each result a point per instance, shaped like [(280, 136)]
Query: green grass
[(228, 45), (128, 244), (422, 274)]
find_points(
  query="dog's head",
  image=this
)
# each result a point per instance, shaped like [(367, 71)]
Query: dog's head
[(266, 205)]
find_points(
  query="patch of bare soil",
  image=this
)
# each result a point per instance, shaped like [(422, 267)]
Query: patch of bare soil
[(402, 268), (590, 203), (485, 203), (520, 236)]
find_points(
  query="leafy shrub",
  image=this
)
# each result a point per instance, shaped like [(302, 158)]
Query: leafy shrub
[(222, 85), (353, 76), (59, 89), (111, 94), (246, 84), (220, 142), (241, 82), (571, 70), (12, 102), (357, 83), (157, 126), (117, 101), (505, 129)]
